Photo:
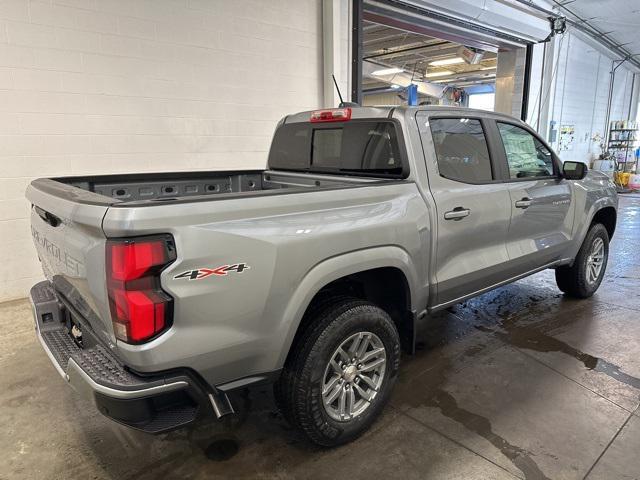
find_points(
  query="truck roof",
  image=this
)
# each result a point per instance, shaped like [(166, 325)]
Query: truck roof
[(385, 111)]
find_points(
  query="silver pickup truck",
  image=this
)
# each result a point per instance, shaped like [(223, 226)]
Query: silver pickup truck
[(165, 292)]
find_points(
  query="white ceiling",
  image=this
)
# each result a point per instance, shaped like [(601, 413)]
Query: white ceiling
[(619, 19)]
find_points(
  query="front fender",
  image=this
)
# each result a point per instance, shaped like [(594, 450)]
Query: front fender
[(589, 201), (338, 267)]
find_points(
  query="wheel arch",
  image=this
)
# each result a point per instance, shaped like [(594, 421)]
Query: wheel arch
[(607, 216), (383, 275), (603, 209)]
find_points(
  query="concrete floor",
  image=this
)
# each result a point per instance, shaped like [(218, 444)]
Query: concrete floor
[(518, 383)]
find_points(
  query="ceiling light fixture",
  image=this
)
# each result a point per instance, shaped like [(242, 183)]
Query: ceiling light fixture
[(447, 61), (387, 71), (442, 73)]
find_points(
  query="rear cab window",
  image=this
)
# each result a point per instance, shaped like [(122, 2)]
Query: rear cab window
[(461, 149), (357, 147)]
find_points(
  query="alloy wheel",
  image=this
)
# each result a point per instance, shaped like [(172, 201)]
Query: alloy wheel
[(353, 376), (595, 260)]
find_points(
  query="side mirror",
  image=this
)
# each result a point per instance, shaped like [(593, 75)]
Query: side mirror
[(574, 170)]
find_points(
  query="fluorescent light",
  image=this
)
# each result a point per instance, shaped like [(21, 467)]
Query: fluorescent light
[(387, 71), (395, 86), (447, 61), (442, 73)]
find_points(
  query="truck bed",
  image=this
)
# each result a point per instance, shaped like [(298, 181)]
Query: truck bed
[(72, 218), (168, 185), (173, 186)]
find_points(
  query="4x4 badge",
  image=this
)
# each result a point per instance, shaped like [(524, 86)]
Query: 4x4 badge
[(200, 273)]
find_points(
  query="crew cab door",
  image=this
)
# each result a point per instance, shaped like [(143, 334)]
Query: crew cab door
[(541, 200), (472, 205)]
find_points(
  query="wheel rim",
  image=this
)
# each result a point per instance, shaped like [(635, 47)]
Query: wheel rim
[(595, 261), (353, 376)]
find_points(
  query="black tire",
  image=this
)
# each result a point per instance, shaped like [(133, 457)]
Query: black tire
[(299, 390), (313, 311), (572, 280)]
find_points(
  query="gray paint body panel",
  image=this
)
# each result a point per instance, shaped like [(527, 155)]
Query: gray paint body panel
[(243, 324), (292, 251)]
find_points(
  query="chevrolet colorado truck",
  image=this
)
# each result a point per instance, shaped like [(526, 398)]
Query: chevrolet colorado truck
[(165, 292)]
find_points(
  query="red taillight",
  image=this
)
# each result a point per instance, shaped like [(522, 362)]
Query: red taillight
[(140, 309), (331, 115)]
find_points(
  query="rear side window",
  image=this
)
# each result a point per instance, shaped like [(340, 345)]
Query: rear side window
[(461, 149), (526, 155), (358, 147)]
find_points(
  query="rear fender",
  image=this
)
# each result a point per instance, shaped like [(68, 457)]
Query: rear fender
[(338, 267)]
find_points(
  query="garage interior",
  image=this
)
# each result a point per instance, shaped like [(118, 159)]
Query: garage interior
[(520, 382), (424, 58)]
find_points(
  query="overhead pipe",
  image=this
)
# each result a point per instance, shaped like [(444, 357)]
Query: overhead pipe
[(632, 97), (612, 80), (402, 79)]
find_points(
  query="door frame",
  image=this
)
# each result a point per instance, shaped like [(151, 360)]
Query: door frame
[(501, 153)]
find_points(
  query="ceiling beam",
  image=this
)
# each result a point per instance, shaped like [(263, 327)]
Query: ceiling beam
[(372, 40), (409, 50)]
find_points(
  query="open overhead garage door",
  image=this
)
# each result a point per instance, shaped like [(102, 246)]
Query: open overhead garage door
[(484, 24), (476, 31)]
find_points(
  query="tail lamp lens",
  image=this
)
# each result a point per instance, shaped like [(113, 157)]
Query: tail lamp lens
[(140, 309)]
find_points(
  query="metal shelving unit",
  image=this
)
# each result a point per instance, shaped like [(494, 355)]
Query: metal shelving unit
[(621, 143), (627, 145)]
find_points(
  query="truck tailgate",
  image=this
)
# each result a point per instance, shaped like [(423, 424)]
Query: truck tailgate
[(68, 236)]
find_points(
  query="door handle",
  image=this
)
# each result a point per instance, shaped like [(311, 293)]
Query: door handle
[(457, 213), (524, 203)]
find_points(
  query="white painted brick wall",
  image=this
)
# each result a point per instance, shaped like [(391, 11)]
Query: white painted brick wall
[(582, 89), (108, 86)]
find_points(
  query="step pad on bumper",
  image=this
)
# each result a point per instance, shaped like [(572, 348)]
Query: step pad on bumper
[(60, 345), (151, 404), (95, 361)]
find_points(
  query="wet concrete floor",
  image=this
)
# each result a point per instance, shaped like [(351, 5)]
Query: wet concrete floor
[(518, 383)]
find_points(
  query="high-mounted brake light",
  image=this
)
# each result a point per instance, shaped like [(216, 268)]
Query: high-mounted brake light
[(331, 115), (140, 309)]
